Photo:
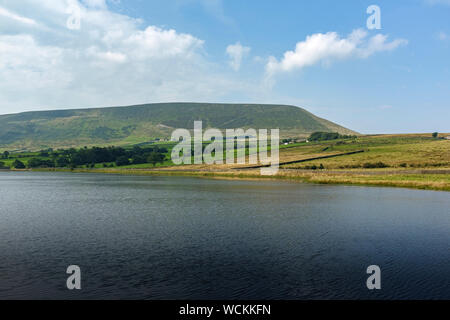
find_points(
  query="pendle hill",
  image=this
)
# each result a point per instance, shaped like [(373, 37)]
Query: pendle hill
[(144, 123)]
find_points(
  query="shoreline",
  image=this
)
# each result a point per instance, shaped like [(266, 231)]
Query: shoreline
[(432, 179)]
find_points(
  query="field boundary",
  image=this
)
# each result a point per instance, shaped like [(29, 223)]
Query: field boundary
[(301, 160)]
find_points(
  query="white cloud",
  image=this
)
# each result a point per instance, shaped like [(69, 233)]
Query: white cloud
[(237, 52), (11, 15), (106, 56), (29, 70), (443, 36), (379, 43), (115, 59), (327, 47), (156, 42), (95, 4), (112, 59)]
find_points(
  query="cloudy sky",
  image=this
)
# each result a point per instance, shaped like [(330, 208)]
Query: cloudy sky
[(59, 54)]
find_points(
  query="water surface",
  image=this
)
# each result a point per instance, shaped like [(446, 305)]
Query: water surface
[(140, 237)]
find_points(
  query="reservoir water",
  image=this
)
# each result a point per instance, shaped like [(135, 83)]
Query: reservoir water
[(142, 237)]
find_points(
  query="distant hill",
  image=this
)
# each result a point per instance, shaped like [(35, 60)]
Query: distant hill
[(143, 123)]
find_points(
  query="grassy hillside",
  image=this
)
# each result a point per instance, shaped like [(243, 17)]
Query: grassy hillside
[(137, 124)]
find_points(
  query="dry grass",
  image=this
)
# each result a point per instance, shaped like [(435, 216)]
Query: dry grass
[(394, 151)]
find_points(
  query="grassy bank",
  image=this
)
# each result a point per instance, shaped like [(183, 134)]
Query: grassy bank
[(406, 179), (411, 161)]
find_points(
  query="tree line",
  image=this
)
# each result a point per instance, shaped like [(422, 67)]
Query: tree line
[(323, 136), (89, 157)]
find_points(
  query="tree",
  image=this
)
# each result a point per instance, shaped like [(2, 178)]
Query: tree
[(6, 155), (62, 162), (122, 161), (137, 150), (155, 158), (435, 134), (40, 163), (138, 159), (18, 164), (322, 136), (2, 165)]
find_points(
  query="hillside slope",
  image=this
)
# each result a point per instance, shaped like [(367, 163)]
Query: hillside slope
[(141, 123)]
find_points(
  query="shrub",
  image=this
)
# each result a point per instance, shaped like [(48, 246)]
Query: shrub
[(18, 164), (379, 164), (2, 165)]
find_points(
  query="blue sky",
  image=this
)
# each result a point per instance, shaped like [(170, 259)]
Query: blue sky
[(316, 54)]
